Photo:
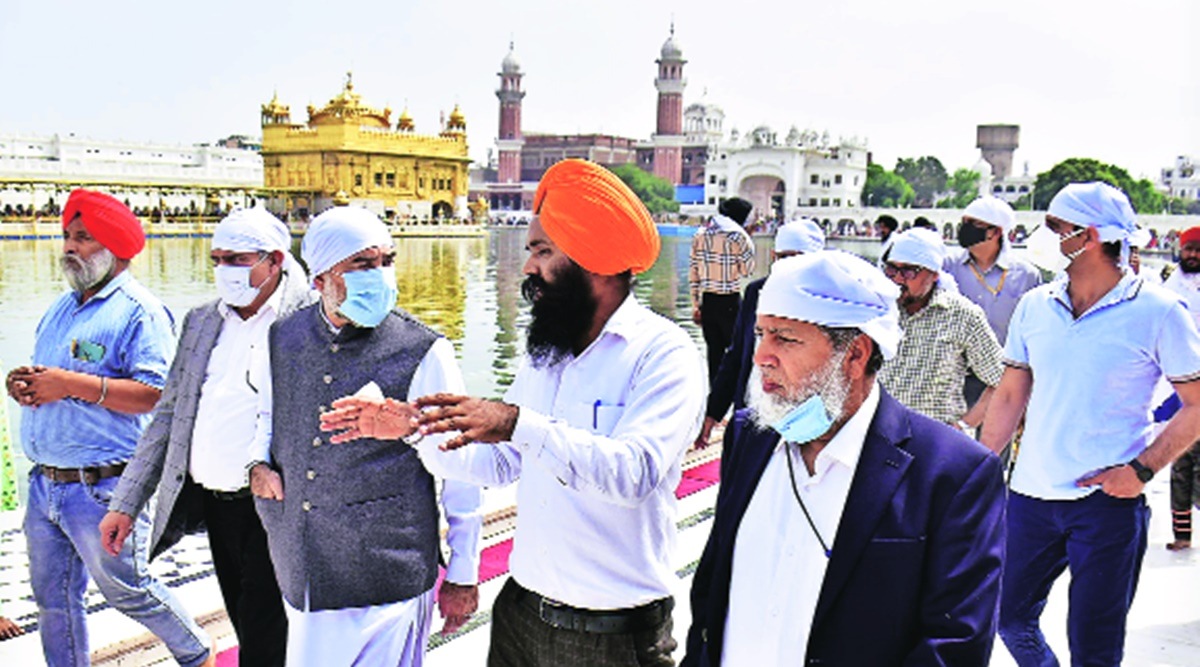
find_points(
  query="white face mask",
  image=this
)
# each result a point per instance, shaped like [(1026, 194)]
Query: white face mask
[(233, 285), (1045, 249)]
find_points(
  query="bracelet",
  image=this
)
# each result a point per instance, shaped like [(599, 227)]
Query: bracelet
[(964, 426), (103, 389)]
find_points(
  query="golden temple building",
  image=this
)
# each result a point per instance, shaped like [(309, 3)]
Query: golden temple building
[(349, 152)]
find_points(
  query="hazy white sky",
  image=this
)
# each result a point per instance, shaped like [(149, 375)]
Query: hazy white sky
[(1115, 81)]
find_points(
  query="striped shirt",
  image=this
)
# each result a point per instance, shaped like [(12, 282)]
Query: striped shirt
[(941, 342), (123, 331), (720, 259)]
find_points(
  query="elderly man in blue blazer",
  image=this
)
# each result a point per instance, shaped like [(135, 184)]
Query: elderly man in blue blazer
[(849, 529)]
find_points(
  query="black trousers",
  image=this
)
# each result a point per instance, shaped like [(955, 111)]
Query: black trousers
[(718, 312), (247, 579), (521, 639), (1185, 491)]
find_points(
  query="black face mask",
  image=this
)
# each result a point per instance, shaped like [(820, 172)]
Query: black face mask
[(969, 234)]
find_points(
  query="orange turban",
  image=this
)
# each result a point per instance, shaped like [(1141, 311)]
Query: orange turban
[(108, 221), (595, 218)]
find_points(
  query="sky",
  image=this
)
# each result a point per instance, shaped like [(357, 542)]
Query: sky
[(1119, 82)]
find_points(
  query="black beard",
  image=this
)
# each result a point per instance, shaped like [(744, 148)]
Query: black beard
[(562, 312), (1189, 265)]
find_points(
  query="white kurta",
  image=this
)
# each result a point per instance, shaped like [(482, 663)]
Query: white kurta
[(778, 562)]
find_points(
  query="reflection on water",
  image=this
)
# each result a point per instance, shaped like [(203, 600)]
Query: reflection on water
[(467, 289)]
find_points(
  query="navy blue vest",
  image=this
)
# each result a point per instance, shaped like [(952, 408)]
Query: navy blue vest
[(359, 521)]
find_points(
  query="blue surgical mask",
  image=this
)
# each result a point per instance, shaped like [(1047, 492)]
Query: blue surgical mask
[(806, 422), (370, 296)]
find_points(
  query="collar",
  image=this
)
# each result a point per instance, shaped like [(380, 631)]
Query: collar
[(847, 444), (115, 283), (272, 303), (625, 320), (1125, 290), (1003, 260)]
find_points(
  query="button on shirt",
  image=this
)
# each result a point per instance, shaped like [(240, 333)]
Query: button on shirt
[(597, 447), (941, 342), (228, 407), (123, 331), (1093, 378), (778, 562), (996, 290)]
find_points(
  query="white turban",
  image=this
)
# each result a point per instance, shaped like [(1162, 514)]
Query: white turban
[(803, 235), (339, 233), (832, 288), (992, 210), (920, 247), (1098, 205), (251, 230)]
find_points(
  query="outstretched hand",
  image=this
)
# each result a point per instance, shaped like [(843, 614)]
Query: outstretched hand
[(355, 417), (475, 419)]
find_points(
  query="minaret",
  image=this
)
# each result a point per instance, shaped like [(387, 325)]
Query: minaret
[(668, 137), (509, 141)]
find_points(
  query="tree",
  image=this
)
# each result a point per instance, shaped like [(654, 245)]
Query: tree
[(926, 175), (656, 193), (963, 187), (885, 189), (1142, 193)]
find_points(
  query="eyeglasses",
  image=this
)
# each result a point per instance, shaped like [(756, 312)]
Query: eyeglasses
[(905, 272)]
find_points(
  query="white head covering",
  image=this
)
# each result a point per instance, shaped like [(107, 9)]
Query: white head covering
[(835, 289), (1098, 205), (339, 233), (803, 235), (992, 210), (917, 246), (251, 230), (1140, 238)]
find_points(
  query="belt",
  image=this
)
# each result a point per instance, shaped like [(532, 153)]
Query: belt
[(600, 622), (240, 494), (89, 475)]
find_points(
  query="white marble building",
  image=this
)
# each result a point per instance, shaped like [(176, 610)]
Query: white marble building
[(1183, 179)]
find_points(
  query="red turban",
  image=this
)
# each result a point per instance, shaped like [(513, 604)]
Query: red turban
[(108, 221), (593, 217), (1189, 236)]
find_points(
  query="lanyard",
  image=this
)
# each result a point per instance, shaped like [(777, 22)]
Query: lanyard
[(979, 277), (787, 452)]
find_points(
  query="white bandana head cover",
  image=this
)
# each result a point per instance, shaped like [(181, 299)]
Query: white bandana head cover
[(832, 288), (251, 230), (339, 233), (1098, 205), (992, 210), (919, 247), (803, 235)]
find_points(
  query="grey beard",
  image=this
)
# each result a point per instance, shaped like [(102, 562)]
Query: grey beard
[(84, 274), (828, 383)]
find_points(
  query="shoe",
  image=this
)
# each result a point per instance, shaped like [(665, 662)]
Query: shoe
[(1179, 545)]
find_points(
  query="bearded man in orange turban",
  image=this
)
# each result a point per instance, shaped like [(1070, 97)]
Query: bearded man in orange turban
[(595, 426)]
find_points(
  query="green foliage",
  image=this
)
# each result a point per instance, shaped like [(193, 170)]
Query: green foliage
[(1142, 194), (656, 193), (964, 188), (1181, 206), (926, 175), (886, 189)]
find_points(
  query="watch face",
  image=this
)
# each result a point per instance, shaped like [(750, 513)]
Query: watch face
[(1145, 474)]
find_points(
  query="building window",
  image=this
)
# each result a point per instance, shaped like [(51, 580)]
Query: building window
[(837, 179), (814, 179), (712, 201), (837, 202), (391, 180), (812, 201), (358, 180), (824, 201), (712, 180), (378, 179), (1023, 188), (998, 188), (856, 180)]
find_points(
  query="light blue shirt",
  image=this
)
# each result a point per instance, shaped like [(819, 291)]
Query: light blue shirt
[(1093, 379), (996, 290), (122, 332)]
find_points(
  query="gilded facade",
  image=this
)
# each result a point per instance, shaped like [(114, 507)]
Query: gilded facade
[(348, 151)]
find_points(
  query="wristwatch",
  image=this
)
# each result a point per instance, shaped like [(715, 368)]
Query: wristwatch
[(1143, 473)]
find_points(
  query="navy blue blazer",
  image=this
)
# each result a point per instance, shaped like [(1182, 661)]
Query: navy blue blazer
[(729, 386), (914, 576)]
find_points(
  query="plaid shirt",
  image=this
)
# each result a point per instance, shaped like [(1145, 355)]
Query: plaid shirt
[(719, 260), (941, 342)]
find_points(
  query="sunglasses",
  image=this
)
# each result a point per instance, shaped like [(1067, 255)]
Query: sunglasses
[(905, 272)]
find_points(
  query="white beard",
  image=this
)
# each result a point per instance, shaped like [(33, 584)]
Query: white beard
[(829, 383), (83, 274)]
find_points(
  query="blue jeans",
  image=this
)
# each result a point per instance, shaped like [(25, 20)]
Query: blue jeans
[(1102, 539), (62, 528)]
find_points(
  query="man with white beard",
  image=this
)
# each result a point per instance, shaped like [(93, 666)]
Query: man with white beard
[(849, 529), (99, 365)]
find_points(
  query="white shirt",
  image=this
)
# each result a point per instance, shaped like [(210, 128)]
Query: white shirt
[(228, 407), (461, 503), (1187, 286), (598, 447), (778, 562)]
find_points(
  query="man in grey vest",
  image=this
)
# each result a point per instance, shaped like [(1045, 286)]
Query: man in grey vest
[(595, 426), (353, 531), (196, 450)]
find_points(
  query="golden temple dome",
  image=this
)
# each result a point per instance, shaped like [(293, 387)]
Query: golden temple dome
[(273, 111), (347, 106), (457, 121), (405, 122)]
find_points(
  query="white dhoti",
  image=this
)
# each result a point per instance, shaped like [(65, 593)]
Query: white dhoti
[(393, 634)]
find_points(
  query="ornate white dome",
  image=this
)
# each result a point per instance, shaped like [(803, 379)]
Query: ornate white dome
[(670, 48), (510, 64)]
